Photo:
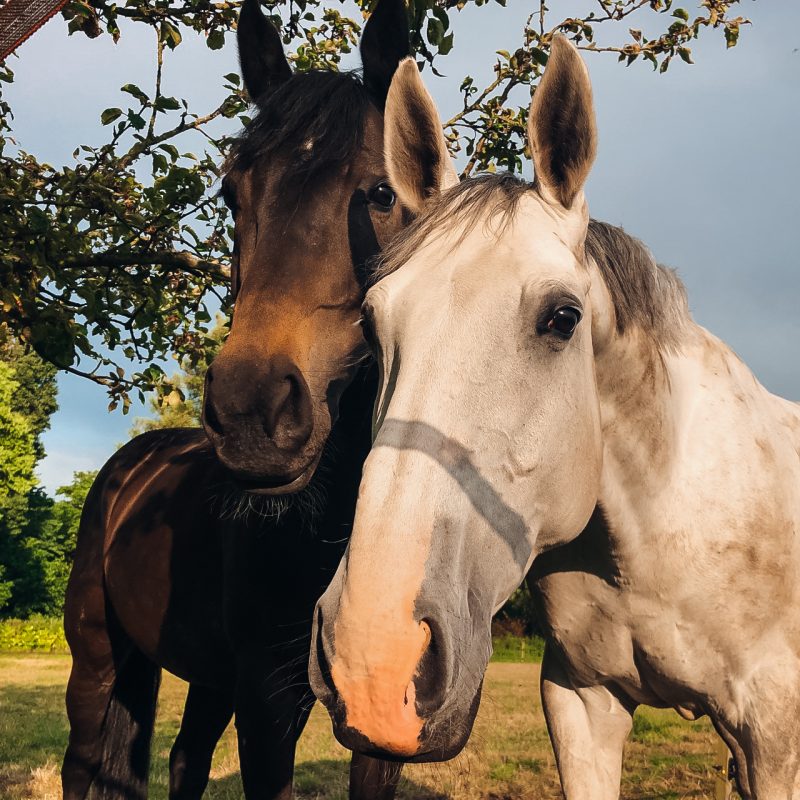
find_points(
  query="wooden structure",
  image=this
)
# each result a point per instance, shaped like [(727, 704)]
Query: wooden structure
[(724, 788), (20, 19)]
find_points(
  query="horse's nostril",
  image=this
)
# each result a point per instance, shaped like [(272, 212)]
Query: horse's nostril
[(211, 421), (286, 412), (278, 405), (433, 672)]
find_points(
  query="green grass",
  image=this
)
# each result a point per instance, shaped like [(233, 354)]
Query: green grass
[(515, 649), (508, 757)]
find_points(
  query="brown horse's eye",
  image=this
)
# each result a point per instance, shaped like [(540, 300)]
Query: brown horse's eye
[(564, 321), (382, 196)]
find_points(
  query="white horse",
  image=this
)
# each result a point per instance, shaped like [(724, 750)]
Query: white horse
[(546, 399)]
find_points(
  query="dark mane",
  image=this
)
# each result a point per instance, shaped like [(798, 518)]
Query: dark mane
[(645, 293), (327, 109)]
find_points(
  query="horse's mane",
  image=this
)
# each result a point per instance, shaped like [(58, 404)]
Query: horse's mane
[(645, 293), (314, 121)]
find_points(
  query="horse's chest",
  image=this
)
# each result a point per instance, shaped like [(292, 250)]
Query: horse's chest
[(649, 652)]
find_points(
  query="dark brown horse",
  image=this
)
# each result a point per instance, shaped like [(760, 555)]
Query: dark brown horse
[(206, 557)]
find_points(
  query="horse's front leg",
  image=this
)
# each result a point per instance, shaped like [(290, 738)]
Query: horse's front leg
[(272, 707), (205, 716), (372, 779), (588, 728)]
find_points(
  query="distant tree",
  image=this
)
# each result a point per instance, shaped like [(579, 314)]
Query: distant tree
[(36, 395), (115, 256), (17, 442), (51, 539), (183, 407), (17, 480), (518, 616), (39, 549), (27, 399)]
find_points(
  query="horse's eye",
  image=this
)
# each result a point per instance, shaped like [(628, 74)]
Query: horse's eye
[(369, 333), (564, 321), (382, 196)]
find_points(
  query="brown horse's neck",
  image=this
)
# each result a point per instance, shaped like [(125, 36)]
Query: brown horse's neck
[(353, 427)]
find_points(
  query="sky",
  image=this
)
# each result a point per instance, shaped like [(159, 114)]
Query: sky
[(701, 163)]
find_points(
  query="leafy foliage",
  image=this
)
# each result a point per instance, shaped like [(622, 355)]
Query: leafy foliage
[(27, 399), (17, 442), (183, 407), (35, 395), (100, 266), (37, 549), (35, 633)]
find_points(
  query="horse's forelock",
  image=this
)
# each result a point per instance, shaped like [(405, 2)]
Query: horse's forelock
[(644, 293), (308, 127), (480, 199)]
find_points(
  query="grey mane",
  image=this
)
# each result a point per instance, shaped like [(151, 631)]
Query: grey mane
[(645, 294)]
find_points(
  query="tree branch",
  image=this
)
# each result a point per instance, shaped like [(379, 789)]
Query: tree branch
[(171, 259)]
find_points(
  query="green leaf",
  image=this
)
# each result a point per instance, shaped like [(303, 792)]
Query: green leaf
[(170, 35), (160, 163), (435, 31), (539, 56), (132, 88), (109, 115), (446, 45), (681, 13), (686, 54), (170, 149), (167, 104), (232, 77), (441, 15), (216, 40), (136, 120)]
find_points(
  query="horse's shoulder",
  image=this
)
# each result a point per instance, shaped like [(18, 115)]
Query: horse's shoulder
[(163, 462)]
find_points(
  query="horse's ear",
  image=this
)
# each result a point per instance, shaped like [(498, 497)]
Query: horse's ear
[(383, 46), (417, 162), (561, 126), (261, 55)]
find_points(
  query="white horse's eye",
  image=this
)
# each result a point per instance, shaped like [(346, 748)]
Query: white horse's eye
[(564, 322), (368, 330)]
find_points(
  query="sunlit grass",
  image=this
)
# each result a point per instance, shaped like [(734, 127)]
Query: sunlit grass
[(508, 757)]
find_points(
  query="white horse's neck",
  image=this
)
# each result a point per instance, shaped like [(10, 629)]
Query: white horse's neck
[(692, 445)]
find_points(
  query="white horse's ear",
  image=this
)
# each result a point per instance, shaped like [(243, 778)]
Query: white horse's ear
[(561, 126), (418, 164)]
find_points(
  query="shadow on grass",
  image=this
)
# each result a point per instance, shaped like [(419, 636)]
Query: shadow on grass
[(325, 779), (33, 725)]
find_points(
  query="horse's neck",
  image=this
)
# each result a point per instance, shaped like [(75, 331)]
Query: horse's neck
[(353, 427), (691, 442)]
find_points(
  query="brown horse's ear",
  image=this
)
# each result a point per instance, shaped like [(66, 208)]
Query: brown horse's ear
[(261, 55), (561, 126), (417, 161), (383, 46)]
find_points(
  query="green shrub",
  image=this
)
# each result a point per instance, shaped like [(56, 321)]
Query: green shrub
[(517, 648), (38, 633)]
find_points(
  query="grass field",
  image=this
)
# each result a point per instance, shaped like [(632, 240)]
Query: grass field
[(508, 757)]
